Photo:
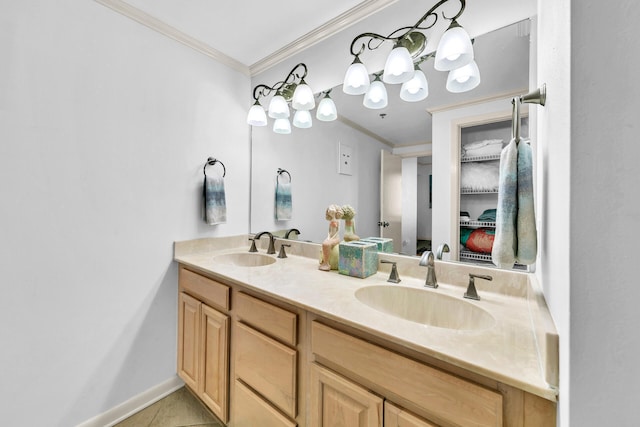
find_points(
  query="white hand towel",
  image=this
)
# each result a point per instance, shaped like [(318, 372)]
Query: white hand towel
[(215, 203), (505, 243)]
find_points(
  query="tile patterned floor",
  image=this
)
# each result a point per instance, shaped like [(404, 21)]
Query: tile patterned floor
[(179, 409)]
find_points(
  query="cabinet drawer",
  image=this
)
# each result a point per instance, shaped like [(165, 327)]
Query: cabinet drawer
[(267, 366), (250, 410), (207, 290), (441, 396), (273, 321), (396, 417)]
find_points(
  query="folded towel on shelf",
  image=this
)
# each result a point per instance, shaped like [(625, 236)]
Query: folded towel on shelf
[(488, 215), (215, 204), (283, 201), (505, 242), (479, 176), (488, 147), (526, 219)]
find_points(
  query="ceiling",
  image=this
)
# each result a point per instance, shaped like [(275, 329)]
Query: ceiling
[(254, 36)]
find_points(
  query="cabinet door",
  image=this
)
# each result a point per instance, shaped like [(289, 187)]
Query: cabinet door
[(396, 417), (337, 402), (188, 339), (214, 365)]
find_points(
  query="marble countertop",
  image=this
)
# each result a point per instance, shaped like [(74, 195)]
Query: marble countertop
[(510, 352)]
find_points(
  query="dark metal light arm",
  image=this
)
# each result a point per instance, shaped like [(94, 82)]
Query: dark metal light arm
[(405, 30), (287, 83)]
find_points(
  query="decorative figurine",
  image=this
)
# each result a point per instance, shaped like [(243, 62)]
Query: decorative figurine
[(334, 214), (349, 224)]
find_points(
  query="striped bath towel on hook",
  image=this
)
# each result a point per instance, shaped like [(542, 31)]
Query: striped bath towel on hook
[(283, 205), (215, 203)]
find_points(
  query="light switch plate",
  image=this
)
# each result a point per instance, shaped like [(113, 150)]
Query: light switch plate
[(345, 159)]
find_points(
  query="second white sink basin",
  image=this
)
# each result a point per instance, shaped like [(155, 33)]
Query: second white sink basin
[(244, 259), (426, 307)]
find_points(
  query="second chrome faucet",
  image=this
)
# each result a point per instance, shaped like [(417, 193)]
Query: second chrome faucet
[(427, 260)]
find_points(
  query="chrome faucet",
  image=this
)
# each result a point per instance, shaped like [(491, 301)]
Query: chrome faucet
[(442, 248), (272, 247), (292, 230), (428, 261)]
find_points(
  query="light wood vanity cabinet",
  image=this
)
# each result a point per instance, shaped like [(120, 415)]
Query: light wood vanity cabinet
[(203, 340), (288, 367)]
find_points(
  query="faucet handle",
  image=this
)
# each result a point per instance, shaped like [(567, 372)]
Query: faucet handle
[(471, 289), (394, 277), (282, 253), (253, 245)]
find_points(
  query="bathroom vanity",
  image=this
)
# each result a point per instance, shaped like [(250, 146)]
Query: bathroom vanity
[(276, 342)]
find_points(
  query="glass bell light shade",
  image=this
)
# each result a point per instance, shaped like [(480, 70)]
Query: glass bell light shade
[(326, 111), (278, 107), (399, 66), (282, 126), (302, 119), (257, 116), (454, 49), (415, 89), (356, 79), (463, 79), (376, 96), (303, 97)]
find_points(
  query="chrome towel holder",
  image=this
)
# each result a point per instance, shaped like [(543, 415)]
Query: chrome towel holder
[(538, 96), (281, 171), (212, 161)]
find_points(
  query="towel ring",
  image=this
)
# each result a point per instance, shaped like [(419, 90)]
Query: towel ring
[(211, 161), (281, 171)]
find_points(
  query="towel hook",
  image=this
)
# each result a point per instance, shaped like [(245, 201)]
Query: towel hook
[(211, 161), (281, 171), (538, 96), (515, 119)]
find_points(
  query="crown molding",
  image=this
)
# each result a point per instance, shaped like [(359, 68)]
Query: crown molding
[(496, 97), (155, 24), (350, 17), (365, 131)]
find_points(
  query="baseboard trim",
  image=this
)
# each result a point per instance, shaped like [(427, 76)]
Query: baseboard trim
[(135, 404)]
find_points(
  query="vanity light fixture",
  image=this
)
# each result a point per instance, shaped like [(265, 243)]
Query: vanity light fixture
[(454, 54), (326, 111), (292, 90)]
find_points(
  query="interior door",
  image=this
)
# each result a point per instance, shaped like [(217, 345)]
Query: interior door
[(391, 199)]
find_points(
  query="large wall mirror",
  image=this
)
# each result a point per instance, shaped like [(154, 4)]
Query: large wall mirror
[(374, 139)]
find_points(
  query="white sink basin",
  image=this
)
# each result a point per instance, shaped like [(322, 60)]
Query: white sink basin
[(426, 307), (244, 259)]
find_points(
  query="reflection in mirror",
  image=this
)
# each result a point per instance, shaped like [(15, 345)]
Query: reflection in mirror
[(320, 176)]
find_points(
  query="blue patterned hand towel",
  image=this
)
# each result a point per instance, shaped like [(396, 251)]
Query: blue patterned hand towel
[(526, 221), (505, 243), (283, 201), (215, 203)]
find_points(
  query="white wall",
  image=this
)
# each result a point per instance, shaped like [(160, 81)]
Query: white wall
[(409, 205), (311, 157), (554, 183), (424, 210), (604, 182), (104, 128)]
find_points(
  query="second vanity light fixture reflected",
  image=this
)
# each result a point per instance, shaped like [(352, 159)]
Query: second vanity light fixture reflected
[(293, 89), (454, 54)]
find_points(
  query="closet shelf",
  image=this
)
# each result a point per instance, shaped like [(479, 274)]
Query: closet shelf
[(477, 224), (474, 191), (480, 158), (477, 256)]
